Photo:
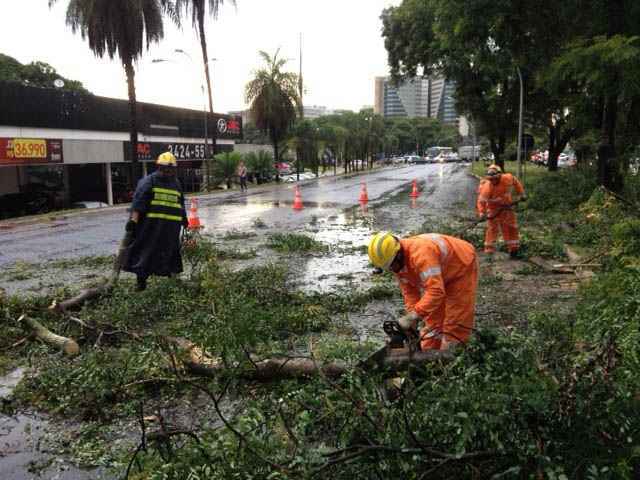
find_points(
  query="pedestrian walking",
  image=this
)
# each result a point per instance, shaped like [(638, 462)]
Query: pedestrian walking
[(157, 216), (242, 173), (438, 276), (498, 193)]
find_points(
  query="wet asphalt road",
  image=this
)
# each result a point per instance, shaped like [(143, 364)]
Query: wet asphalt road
[(100, 233)]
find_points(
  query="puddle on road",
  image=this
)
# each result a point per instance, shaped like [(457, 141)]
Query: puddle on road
[(347, 231), (22, 452)]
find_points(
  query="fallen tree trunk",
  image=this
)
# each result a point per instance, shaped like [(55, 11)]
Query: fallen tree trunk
[(95, 292), (67, 345), (84, 296), (199, 363)]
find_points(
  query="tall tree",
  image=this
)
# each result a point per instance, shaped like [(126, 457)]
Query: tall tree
[(198, 10), (123, 28), (35, 74), (603, 62), (273, 98), (481, 44)]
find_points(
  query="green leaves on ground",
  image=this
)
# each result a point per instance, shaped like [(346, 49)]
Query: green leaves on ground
[(294, 242)]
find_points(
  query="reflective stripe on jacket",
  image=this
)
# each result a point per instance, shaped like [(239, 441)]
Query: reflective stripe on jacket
[(431, 261), (166, 204), (491, 197)]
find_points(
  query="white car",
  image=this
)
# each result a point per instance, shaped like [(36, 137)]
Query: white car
[(565, 160), (89, 204)]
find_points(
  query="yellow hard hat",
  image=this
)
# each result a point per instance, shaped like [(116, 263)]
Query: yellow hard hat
[(493, 170), (383, 248), (167, 159)]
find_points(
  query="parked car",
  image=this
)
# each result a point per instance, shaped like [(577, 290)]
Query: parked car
[(26, 203), (442, 158), (293, 177), (283, 168), (566, 160), (88, 204), (413, 159)]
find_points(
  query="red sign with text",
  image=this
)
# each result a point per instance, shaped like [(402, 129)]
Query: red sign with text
[(30, 151)]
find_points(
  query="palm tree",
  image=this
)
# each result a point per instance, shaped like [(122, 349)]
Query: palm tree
[(273, 98), (225, 166), (123, 28), (198, 10)]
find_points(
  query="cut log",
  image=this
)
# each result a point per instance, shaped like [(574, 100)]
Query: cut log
[(548, 266), (67, 345), (100, 290), (199, 363), (573, 256), (576, 265)]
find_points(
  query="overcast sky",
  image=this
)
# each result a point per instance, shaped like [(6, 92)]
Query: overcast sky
[(342, 51)]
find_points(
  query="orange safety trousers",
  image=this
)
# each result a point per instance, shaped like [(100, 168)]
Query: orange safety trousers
[(504, 222)]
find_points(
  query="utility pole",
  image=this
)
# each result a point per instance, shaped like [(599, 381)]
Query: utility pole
[(299, 151), (300, 83), (519, 159)]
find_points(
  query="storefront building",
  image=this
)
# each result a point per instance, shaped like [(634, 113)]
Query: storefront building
[(58, 148)]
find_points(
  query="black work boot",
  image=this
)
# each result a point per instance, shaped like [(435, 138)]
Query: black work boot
[(141, 284)]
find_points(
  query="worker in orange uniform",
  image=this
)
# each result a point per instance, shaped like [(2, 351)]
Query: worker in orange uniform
[(438, 276), (497, 195)]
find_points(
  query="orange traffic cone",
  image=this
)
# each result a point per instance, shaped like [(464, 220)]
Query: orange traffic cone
[(194, 220), (415, 193), (364, 198), (297, 200)]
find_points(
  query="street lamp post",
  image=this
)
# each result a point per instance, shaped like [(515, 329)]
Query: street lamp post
[(519, 159), (204, 111), (206, 131)]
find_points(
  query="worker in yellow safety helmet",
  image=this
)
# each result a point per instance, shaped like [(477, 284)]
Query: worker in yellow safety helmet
[(157, 216), (438, 276)]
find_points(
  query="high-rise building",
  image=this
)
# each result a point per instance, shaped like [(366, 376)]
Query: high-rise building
[(409, 99), (418, 97), (441, 104), (316, 111)]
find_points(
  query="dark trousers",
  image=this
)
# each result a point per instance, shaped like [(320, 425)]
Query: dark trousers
[(243, 183)]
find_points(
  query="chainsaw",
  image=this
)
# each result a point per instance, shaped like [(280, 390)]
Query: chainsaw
[(497, 213), (400, 342)]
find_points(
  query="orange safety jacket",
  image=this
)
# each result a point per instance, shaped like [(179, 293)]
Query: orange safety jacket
[(430, 262), (492, 197)]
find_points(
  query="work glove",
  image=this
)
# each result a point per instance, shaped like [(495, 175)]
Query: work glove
[(130, 227), (130, 232), (408, 322)]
